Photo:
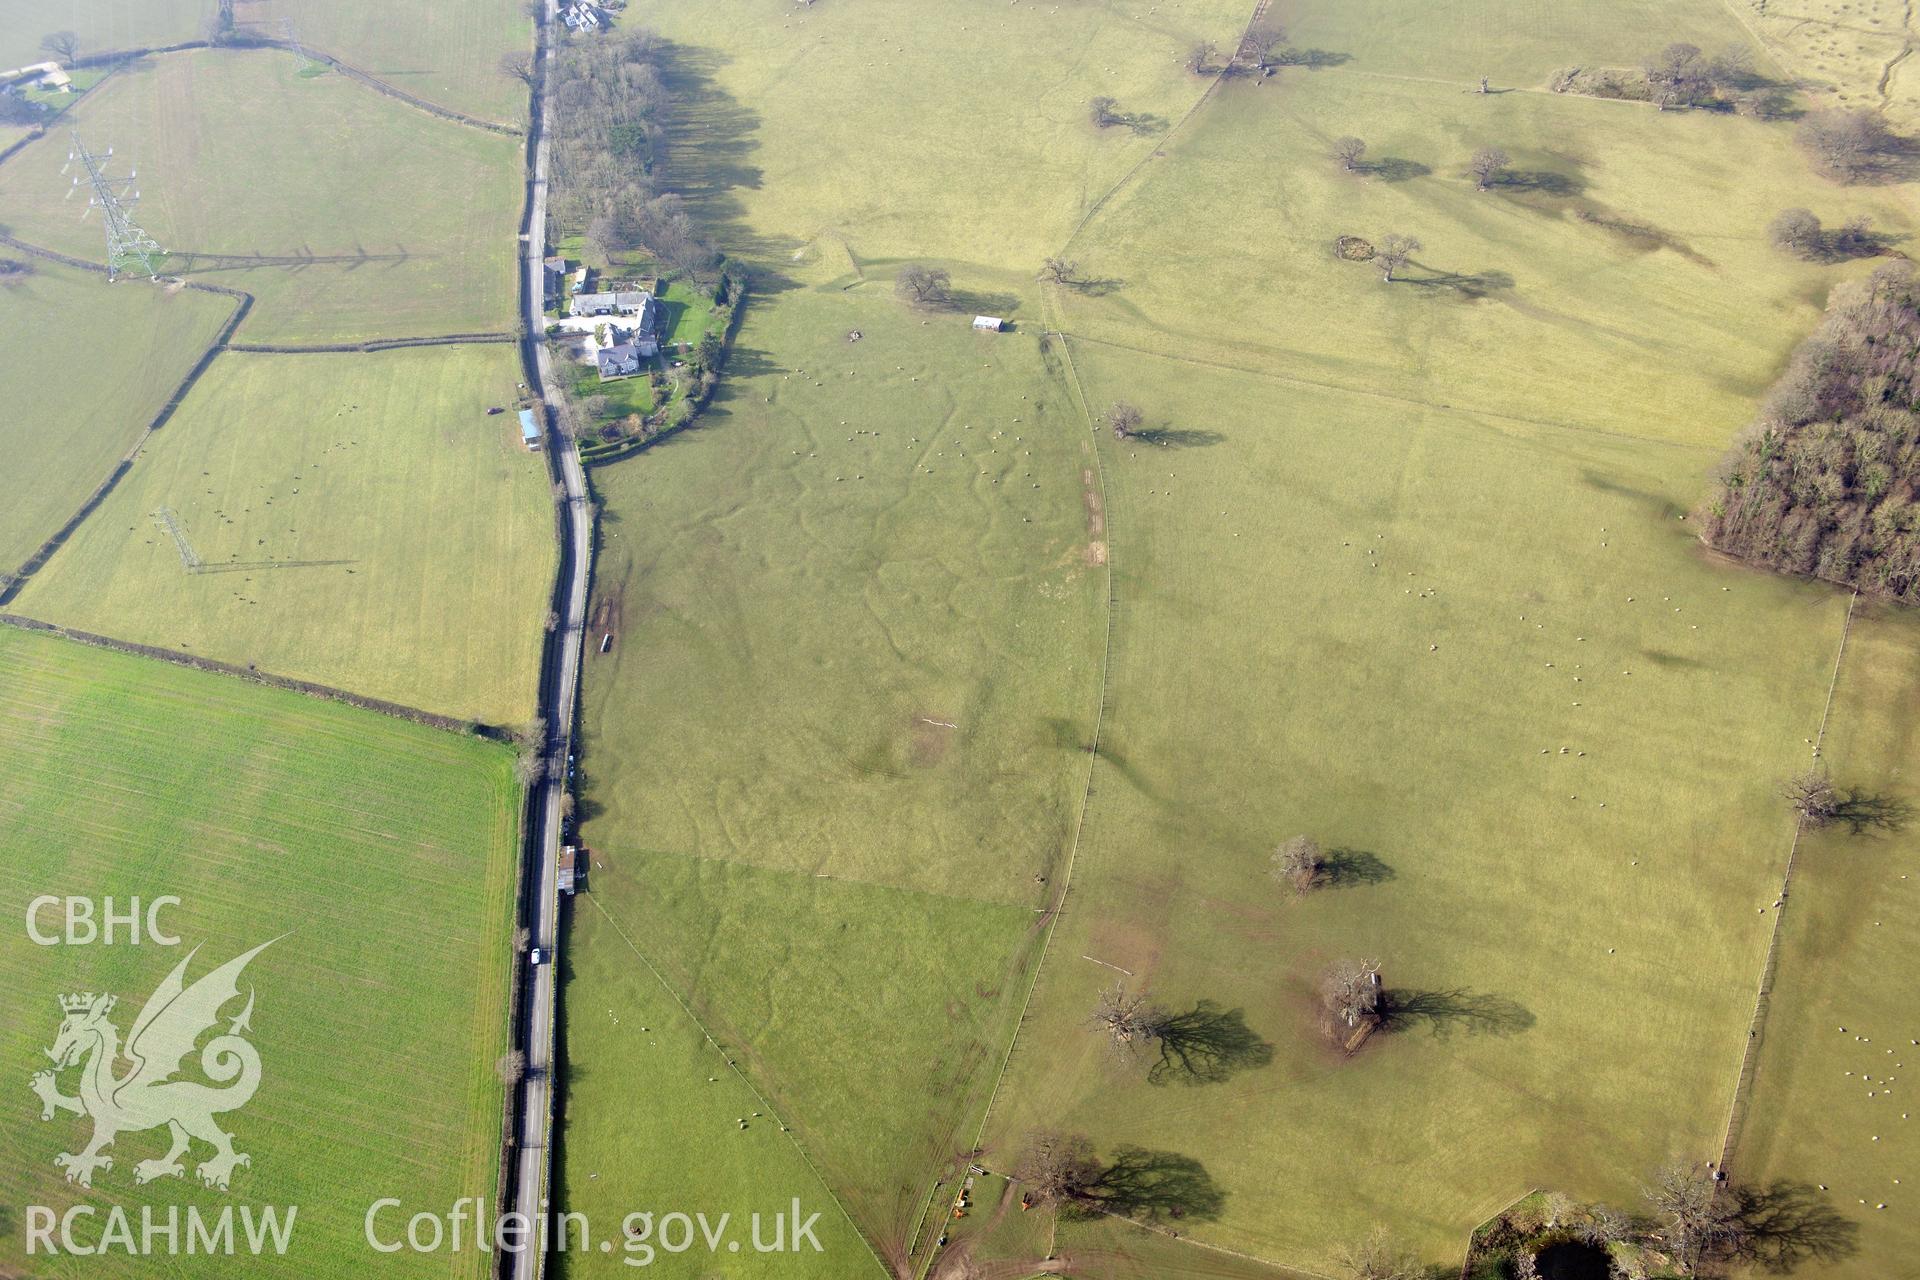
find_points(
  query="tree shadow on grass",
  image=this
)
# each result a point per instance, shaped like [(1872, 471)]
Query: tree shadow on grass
[(1394, 169), (1179, 437), (981, 303), (1472, 286), (1457, 1009), (1311, 59), (1864, 812), (1791, 1223), (1098, 287), (1351, 868), (1546, 182), (1206, 1045), (1155, 1186)]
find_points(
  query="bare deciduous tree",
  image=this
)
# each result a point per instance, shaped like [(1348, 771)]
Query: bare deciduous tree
[(517, 65), (1299, 862), (1676, 76), (1695, 1220), (1855, 237), (64, 45), (1486, 165), (511, 1068), (1129, 1019), (1813, 796), (1844, 145), (924, 286), (1348, 151), (1394, 252), (1605, 1225), (1350, 992), (1256, 50), (1057, 1168), (1797, 231), (1124, 418), (1103, 111), (1060, 270), (1379, 1257), (1200, 57)]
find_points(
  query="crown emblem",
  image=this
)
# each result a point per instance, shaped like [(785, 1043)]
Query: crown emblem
[(83, 1002)]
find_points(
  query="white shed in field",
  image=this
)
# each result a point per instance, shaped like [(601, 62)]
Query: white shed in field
[(992, 324)]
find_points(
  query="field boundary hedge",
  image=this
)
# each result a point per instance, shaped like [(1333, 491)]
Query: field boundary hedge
[(375, 344), (253, 675), (11, 583), (1769, 966), (242, 43)]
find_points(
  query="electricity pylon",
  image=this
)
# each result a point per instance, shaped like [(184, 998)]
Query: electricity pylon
[(128, 247)]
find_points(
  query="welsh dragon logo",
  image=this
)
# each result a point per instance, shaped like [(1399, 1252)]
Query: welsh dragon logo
[(148, 1095)]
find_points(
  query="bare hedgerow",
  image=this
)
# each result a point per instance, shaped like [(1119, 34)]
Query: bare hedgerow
[(1379, 1257)]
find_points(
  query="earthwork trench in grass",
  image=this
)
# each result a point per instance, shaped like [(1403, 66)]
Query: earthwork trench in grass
[(361, 520), (377, 854), (1547, 758), (857, 610)]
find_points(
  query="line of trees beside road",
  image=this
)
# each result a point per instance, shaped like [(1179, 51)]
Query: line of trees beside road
[(606, 179)]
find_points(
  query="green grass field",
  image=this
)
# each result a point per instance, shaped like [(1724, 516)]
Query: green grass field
[(102, 25), (1405, 566), (1597, 289), (379, 854), (1831, 1099), (240, 155), (624, 1025), (870, 658), (1382, 626), (365, 525), (447, 54), (72, 415)]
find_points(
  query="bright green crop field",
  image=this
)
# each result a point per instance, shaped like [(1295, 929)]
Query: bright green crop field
[(376, 856)]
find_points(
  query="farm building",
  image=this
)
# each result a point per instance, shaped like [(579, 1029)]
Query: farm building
[(581, 17), (620, 361), (529, 430), (634, 303), (554, 276), (989, 324), (569, 873)]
